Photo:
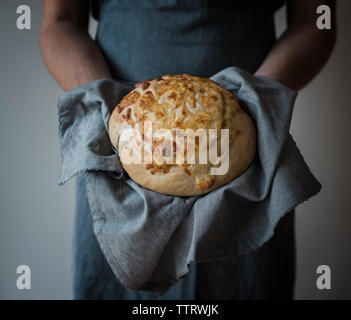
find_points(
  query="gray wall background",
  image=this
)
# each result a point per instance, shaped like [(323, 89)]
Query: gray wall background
[(36, 216)]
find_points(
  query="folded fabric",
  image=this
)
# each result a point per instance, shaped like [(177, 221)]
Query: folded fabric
[(149, 239)]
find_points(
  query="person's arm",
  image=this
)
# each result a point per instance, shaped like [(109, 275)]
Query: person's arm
[(68, 51), (301, 52)]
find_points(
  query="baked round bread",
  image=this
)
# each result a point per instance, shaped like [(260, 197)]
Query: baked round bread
[(176, 104)]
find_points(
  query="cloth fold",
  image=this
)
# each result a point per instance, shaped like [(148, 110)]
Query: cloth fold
[(149, 239)]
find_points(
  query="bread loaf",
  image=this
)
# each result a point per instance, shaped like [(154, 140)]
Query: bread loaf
[(180, 105)]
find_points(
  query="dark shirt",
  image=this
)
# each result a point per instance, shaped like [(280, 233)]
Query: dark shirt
[(150, 38)]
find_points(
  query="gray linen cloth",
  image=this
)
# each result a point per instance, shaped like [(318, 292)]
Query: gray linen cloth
[(149, 239)]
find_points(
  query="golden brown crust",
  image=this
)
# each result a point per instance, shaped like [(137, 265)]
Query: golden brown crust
[(184, 102)]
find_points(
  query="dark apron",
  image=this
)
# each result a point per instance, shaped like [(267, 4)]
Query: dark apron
[(147, 39)]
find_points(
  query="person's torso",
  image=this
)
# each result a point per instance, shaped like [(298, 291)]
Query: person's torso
[(149, 38)]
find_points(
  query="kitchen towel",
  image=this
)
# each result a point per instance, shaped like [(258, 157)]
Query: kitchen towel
[(149, 239)]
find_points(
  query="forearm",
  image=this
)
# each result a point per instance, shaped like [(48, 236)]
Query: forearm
[(70, 55), (298, 56), (302, 51)]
